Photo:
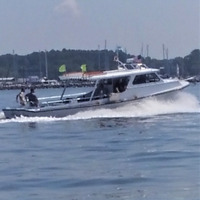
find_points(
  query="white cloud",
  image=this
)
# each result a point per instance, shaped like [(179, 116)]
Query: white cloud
[(68, 6)]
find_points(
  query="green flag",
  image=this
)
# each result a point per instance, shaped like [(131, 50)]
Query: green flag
[(62, 68), (83, 68)]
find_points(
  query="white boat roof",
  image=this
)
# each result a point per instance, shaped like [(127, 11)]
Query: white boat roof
[(106, 74), (122, 73)]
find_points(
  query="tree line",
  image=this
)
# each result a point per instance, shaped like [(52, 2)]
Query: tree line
[(43, 63)]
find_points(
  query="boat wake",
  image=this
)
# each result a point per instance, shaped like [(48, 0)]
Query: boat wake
[(184, 103)]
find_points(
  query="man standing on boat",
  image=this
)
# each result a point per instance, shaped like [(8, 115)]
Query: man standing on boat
[(31, 98), (21, 97)]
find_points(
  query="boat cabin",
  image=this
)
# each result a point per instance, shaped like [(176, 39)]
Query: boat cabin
[(114, 82)]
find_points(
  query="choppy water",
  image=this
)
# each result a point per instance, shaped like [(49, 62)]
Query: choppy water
[(146, 151)]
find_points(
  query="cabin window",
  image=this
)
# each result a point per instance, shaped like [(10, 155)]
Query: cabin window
[(146, 78), (152, 77), (102, 90), (120, 84)]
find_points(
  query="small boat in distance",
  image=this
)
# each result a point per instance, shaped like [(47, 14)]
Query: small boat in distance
[(131, 81)]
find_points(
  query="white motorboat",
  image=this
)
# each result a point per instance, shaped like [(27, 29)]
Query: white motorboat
[(130, 82)]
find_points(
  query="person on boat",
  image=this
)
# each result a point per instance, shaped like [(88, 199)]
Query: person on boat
[(21, 97), (119, 86), (32, 98)]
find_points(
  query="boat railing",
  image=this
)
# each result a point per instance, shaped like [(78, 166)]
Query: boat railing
[(131, 64), (72, 100)]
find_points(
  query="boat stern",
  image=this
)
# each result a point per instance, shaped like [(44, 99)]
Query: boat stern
[(8, 113)]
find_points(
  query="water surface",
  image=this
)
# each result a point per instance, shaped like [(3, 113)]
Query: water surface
[(145, 151)]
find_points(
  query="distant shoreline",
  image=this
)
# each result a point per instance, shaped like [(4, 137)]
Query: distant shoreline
[(28, 86)]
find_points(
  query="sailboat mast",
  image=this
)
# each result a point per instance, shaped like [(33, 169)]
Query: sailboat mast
[(46, 64)]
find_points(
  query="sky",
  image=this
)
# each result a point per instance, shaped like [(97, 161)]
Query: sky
[(138, 26)]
